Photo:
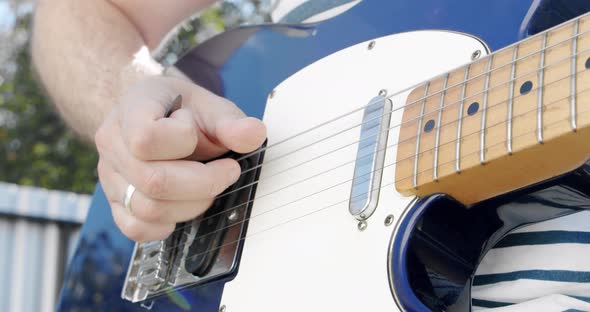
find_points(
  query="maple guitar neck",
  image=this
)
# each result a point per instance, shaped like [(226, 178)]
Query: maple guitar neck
[(514, 118)]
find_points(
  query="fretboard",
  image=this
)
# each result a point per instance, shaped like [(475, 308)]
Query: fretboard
[(515, 112)]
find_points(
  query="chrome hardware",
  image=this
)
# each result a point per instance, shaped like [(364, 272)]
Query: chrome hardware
[(370, 158), (383, 92), (147, 270), (233, 216), (388, 220), (371, 45), (573, 75), (148, 305), (362, 225), (198, 251), (222, 308), (475, 55), (272, 94)]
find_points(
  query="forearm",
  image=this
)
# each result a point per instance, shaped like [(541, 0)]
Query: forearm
[(84, 52)]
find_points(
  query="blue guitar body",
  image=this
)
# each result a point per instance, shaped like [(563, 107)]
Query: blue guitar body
[(246, 64)]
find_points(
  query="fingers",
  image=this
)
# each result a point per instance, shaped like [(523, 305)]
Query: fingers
[(138, 230), (146, 131), (147, 209), (241, 135), (138, 145), (173, 179), (223, 124), (180, 179)]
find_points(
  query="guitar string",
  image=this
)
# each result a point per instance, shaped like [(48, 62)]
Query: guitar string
[(379, 169), (266, 163), (258, 151), (384, 130), (347, 199), (549, 47)]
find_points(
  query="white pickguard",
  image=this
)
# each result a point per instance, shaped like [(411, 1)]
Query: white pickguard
[(303, 251)]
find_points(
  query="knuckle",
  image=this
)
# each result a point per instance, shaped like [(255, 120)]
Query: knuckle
[(141, 143), (150, 211), (156, 184)]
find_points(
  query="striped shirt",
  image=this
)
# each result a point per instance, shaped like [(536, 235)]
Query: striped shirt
[(539, 267)]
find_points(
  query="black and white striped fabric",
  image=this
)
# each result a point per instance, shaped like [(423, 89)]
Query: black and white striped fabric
[(540, 267)]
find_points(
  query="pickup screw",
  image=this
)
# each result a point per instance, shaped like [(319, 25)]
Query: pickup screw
[(475, 55), (388, 220), (383, 92), (233, 216), (371, 45), (222, 308), (362, 225)]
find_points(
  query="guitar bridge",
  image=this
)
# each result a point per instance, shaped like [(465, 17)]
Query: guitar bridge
[(200, 250)]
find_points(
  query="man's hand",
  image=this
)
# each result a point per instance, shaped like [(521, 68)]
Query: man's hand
[(160, 156)]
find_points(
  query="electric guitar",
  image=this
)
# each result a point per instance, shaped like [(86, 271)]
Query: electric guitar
[(404, 139)]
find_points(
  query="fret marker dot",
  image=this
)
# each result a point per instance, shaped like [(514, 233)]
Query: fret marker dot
[(526, 87), (429, 126), (473, 109), (588, 63)]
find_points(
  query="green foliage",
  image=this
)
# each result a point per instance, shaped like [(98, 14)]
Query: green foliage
[(36, 147)]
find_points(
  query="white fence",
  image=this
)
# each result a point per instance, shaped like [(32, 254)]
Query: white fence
[(38, 232)]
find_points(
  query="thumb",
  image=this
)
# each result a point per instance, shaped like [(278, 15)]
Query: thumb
[(223, 124)]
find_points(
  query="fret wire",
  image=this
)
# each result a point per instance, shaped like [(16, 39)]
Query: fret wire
[(400, 92), (347, 199), (460, 123), (484, 110), (573, 105), (438, 122), (400, 160), (419, 134), (540, 91), (511, 101), (482, 145)]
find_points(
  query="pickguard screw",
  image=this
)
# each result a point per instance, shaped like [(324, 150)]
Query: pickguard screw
[(475, 55), (388, 220), (371, 45), (362, 225), (383, 92), (272, 94), (233, 216), (222, 308)]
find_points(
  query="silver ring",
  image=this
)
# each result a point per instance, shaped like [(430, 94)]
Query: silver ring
[(127, 199)]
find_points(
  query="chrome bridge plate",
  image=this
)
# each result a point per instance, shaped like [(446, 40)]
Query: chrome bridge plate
[(199, 250)]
